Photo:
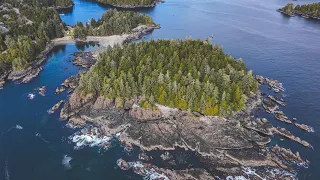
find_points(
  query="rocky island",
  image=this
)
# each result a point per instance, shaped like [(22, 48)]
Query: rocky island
[(305, 11), (130, 4), (164, 94)]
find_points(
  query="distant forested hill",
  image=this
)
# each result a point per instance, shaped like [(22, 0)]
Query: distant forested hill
[(128, 3)]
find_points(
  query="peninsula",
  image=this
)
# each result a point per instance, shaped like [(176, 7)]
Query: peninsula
[(305, 11)]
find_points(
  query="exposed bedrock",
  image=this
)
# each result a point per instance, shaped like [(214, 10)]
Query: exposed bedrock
[(221, 143)]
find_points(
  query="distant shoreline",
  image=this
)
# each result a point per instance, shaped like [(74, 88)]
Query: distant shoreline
[(296, 13), (127, 6)]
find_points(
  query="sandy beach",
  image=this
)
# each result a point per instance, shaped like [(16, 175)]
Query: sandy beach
[(104, 41)]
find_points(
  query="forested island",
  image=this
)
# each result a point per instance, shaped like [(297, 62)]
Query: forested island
[(26, 29), (187, 74), (130, 4), (305, 10), (164, 94), (112, 22)]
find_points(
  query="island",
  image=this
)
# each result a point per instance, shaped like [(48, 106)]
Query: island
[(130, 4), (168, 94), (112, 22), (305, 11)]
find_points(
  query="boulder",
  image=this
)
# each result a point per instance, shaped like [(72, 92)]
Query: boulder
[(166, 156), (56, 107), (123, 164), (304, 127)]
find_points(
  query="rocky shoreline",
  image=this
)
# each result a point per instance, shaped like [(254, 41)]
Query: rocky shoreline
[(26, 75), (297, 13), (220, 143), (224, 145)]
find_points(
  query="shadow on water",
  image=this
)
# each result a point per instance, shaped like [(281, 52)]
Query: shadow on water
[(84, 45), (66, 10), (55, 50)]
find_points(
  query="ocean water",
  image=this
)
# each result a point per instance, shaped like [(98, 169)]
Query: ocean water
[(37, 145)]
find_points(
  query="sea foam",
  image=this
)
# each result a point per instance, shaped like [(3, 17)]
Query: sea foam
[(270, 173), (90, 137), (6, 170), (31, 96), (140, 169), (66, 162), (19, 127)]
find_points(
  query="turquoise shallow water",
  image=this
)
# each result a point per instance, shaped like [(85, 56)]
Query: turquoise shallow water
[(270, 43)]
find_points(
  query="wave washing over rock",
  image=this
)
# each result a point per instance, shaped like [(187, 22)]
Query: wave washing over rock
[(251, 173), (91, 137), (140, 169), (31, 96)]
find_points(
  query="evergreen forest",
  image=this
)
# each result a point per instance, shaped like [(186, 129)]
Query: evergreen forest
[(112, 22), (189, 74)]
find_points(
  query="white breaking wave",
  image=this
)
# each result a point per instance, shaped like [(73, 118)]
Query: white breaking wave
[(90, 137), (140, 169), (236, 178), (153, 175), (31, 96), (66, 162), (251, 173), (71, 126), (50, 111), (19, 127), (311, 129)]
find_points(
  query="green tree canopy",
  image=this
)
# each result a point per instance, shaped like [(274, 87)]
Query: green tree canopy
[(190, 74)]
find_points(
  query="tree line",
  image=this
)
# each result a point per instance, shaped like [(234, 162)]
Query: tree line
[(42, 3), (112, 22), (190, 74), (127, 2), (30, 30), (312, 10)]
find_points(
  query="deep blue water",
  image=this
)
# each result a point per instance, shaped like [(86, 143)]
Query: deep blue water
[(271, 44)]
